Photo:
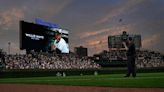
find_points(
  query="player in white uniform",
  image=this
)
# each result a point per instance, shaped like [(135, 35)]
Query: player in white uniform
[(60, 44)]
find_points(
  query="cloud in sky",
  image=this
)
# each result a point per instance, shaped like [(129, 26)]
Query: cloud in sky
[(106, 31), (122, 8), (99, 39), (49, 9), (151, 41), (9, 18)]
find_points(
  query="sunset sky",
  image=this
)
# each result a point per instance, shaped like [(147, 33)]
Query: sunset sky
[(89, 21)]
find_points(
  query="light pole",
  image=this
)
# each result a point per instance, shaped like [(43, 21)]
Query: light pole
[(9, 43)]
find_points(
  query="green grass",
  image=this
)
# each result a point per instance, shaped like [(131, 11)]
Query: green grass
[(154, 80)]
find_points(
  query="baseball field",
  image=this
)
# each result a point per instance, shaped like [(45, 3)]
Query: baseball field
[(143, 80)]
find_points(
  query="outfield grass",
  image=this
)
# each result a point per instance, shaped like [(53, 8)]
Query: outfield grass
[(154, 80)]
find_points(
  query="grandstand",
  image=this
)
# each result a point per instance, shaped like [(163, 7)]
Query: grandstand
[(43, 60), (144, 58), (116, 56)]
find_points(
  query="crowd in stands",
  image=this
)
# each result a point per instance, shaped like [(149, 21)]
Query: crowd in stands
[(144, 58), (113, 55), (148, 58), (44, 60)]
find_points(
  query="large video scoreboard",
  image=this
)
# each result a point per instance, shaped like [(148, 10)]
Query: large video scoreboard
[(115, 41), (38, 37)]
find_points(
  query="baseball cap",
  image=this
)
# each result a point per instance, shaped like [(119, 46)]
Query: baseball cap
[(57, 33)]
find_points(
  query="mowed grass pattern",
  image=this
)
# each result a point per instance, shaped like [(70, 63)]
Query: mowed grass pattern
[(143, 80)]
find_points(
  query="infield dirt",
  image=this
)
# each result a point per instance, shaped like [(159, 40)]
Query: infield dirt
[(62, 88)]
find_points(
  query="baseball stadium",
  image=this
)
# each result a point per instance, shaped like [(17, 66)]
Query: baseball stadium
[(41, 66), (53, 58)]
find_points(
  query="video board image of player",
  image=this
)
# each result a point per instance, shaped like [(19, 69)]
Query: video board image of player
[(37, 37)]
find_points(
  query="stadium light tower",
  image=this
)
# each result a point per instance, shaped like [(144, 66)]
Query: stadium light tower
[(9, 43)]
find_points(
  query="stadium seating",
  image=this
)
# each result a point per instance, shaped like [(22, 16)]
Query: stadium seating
[(43, 60), (144, 58)]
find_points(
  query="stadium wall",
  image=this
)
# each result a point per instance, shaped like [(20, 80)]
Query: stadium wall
[(70, 72)]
